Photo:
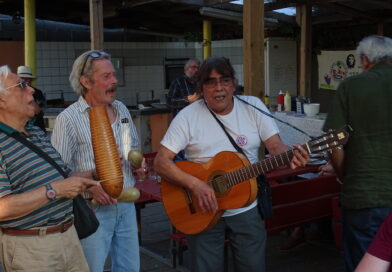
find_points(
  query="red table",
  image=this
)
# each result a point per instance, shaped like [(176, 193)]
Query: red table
[(149, 191)]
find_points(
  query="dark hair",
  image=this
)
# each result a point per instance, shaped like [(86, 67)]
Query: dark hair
[(221, 65)]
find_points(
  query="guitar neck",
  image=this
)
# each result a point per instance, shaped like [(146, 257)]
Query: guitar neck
[(261, 167)]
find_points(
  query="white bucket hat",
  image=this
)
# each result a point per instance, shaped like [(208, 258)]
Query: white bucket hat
[(25, 71)]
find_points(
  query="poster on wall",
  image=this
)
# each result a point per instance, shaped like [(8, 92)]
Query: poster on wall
[(334, 66)]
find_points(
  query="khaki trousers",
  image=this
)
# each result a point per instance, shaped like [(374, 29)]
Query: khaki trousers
[(43, 253)]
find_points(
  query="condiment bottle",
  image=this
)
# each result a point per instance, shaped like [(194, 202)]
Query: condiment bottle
[(280, 101), (266, 101), (287, 101)]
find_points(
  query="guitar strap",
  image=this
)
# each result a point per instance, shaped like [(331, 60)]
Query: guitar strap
[(227, 134)]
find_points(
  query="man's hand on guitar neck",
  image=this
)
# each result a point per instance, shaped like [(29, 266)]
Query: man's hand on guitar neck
[(300, 158), (275, 146)]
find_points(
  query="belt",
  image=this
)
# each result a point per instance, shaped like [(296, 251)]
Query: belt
[(62, 227)]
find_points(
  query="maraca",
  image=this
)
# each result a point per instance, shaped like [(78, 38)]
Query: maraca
[(130, 194), (135, 157)]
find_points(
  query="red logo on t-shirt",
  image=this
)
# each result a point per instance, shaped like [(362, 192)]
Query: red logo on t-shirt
[(241, 140)]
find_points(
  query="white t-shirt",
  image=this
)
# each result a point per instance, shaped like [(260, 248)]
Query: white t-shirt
[(197, 132)]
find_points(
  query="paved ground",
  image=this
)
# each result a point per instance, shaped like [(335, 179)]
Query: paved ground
[(321, 256), (151, 262)]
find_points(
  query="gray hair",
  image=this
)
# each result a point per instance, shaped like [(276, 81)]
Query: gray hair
[(4, 72), (189, 62), (84, 62), (376, 48)]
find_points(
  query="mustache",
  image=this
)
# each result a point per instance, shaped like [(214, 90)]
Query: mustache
[(112, 88)]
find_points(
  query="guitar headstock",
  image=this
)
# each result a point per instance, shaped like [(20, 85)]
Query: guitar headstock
[(328, 141)]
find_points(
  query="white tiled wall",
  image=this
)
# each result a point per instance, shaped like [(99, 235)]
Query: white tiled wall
[(143, 65)]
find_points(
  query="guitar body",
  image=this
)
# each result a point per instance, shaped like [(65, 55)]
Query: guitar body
[(181, 207)]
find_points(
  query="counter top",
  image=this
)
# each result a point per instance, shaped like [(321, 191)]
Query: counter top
[(146, 111), (149, 111), (320, 116), (312, 125)]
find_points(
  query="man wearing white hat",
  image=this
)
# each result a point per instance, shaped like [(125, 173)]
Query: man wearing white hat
[(26, 74)]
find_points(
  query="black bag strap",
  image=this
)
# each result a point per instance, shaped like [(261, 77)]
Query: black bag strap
[(19, 137), (239, 149)]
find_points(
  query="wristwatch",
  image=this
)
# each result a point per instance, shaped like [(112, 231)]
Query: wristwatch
[(50, 192)]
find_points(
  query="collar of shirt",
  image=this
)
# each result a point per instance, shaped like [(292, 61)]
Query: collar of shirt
[(84, 106)]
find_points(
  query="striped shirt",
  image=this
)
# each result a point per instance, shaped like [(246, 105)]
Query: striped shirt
[(22, 170), (72, 138)]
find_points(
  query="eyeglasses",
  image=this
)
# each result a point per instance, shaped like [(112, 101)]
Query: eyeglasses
[(93, 55), (22, 84), (213, 82)]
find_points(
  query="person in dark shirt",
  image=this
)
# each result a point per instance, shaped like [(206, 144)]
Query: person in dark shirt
[(25, 73), (364, 163), (182, 89)]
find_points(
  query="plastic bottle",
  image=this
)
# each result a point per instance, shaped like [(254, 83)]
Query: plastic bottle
[(280, 101), (266, 101), (287, 102)]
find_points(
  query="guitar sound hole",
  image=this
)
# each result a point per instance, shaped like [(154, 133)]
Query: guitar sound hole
[(219, 184)]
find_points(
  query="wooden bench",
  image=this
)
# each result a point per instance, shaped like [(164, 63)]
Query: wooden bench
[(301, 201)]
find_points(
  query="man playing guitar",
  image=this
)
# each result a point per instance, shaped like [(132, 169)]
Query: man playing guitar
[(196, 131)]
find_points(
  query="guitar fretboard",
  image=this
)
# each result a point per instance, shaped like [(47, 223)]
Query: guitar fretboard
[(251, 171)]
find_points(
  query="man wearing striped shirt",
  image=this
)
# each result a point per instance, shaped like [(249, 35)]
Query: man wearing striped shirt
[(36, 221), (93, 79)]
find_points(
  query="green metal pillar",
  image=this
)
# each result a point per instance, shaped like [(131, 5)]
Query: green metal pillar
[(206, 39), (30, 35)]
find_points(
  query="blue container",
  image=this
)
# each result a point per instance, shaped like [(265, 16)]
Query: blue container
[(299, 105)]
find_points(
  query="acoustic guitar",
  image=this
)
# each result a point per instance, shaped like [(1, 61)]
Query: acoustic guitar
[(233, 179)]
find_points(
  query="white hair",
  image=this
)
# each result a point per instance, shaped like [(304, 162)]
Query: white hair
[(376, 48), (190, 61), (4, 72), (84, 62)]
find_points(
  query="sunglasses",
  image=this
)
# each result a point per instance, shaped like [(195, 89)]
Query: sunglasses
[(213, 82), (93, 55), (22, 84)]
